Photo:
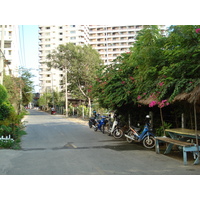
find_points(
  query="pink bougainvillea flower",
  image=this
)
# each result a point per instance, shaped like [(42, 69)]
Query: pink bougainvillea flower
[(152, 104), (139, 97), (198, 30), (161, 84), (123, 82)]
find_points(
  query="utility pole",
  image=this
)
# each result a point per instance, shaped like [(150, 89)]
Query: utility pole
[(2, 55), (66, 94)]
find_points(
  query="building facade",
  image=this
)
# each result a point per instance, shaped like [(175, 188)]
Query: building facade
[(109, 40), (50, 37), (9, 53)]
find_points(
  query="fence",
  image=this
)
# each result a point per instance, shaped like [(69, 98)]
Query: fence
[(78, 111), (6, 138)]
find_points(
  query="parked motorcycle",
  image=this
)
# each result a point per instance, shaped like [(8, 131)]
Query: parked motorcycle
[(100, 125), (113, 127), (147, 137), (53, 111), (93, 120)]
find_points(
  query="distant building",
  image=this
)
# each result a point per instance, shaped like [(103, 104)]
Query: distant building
[(11, 48), (50, 37), (111, 40)]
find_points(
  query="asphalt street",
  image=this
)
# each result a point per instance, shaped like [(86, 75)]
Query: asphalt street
[(55, 145)]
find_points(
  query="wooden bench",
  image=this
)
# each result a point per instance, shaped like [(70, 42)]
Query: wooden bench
[(187, 147)]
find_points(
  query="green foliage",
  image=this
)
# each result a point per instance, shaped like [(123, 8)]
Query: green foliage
[(19, 88), (6, 144), (160, 130), (156, 67), (5, 110), (81, 62), (5, 130), (3, 94)]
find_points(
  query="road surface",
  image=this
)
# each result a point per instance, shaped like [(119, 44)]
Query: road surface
[(55, 145)]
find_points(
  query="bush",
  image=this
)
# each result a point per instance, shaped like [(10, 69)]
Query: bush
[(3, 94), (5, 110), (7, 144), (160, 130)]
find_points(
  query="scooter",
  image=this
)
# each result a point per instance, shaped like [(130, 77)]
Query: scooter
[(93, 120), (114, 129), (100, 125), (147, 137), (53, 112)]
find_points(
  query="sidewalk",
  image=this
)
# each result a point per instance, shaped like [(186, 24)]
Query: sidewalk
[(78, 120)]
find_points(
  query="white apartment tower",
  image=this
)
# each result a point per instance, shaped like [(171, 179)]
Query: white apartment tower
[(10, 49), (50, 37), (109, 40)]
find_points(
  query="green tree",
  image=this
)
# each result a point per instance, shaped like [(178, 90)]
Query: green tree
[(79, 64), (132, 75), (157, 68), (3, 94), (182, 52), (27, 87), (19, 89)]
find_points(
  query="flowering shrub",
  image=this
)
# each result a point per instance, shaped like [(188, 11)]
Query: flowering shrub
[(161, 104), (198, 30), (152, 104)]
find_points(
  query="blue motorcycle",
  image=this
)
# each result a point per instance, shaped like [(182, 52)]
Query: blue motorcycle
[(100, 125), (147, 137)]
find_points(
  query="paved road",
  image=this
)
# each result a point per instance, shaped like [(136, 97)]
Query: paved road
[(56, 145)]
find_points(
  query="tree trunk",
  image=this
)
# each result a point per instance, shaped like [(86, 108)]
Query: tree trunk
[(90, 107)]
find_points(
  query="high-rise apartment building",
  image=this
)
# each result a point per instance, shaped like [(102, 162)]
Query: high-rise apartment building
[(50, 37), (109, 40), (10, 49)]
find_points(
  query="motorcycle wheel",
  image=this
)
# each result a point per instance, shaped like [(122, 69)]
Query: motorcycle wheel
[(103, 129), (106, 129), (118, 133), (131, 134), (95, 128), (149, 142), (90, 124)]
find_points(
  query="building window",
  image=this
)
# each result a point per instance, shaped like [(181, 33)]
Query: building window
[(72, 38), (48, 81), (47, 45)]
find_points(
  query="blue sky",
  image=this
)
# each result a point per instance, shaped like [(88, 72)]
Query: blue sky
[(29, 36)]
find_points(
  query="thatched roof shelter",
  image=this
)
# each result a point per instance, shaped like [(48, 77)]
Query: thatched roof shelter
[(191, 97), (147, 101)]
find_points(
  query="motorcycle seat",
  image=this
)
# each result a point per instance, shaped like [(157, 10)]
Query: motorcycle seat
[(135, 128)]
